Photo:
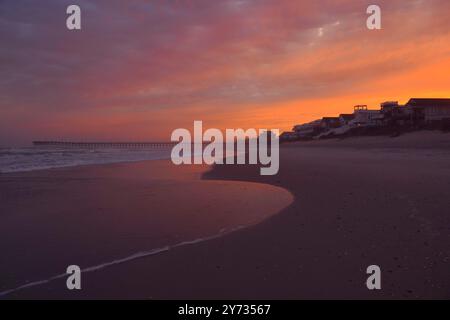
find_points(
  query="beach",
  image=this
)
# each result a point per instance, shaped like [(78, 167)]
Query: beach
[(335, 208)]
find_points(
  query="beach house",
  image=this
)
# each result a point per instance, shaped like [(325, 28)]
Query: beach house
[(328, 123), (389, 107), (430, 111), (418, 113), (308, 130), (395, 114), (365, 117), (345, 118)]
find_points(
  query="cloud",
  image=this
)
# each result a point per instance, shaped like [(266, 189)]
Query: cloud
[(142, 58)]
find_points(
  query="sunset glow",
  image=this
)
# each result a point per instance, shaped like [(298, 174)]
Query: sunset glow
[(139, 71)]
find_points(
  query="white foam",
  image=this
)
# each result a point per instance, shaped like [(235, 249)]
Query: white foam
[(134, 256)]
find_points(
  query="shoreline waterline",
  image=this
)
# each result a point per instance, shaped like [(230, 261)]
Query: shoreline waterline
[(209, 210)]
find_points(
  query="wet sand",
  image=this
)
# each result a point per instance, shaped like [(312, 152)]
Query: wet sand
[(356, 204), (102, 215)]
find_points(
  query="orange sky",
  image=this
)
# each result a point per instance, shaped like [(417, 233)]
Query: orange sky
[(137, 71)]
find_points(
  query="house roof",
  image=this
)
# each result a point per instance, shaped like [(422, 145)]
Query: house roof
[(425, 102)]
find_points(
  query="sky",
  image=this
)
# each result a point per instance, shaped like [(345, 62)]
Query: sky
[(137, 70)]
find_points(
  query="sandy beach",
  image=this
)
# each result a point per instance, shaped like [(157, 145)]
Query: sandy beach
[(100, 215), (335, 207)]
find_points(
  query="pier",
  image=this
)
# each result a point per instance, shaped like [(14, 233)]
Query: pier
[(71, 144)]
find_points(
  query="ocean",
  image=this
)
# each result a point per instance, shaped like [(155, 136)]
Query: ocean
[(38, 158)]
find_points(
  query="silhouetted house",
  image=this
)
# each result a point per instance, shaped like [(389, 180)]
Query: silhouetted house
[(388, 107), (395, 114), (429, 110), (365, 117), (346, 118), (330, 123), (308, 130)]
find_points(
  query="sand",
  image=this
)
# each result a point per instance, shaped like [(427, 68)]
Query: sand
[(95, 215), (357, 202)]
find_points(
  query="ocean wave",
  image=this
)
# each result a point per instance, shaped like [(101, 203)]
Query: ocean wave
[(30, 159)]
